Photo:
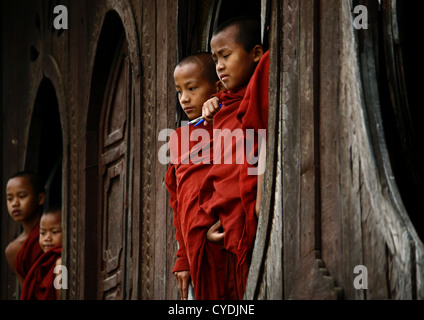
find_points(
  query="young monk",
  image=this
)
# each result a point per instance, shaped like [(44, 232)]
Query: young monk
[(237, 50), (39, 283), (25, 198), (195, 81)]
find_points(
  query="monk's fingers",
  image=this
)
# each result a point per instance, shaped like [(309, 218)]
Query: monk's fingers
[(180, 281), (213, 107), (210, 108), (206, 108), (206, 116), (210, 236), (215, 226), (220, 236), (212, 103), (185, 279), (216, 236), (184, 291), (212, 230), (180, 287), (218, 224), (215, 104), (207, 113)]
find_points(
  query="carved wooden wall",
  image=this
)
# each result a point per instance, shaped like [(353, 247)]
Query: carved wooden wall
[(131, 92), (35, 110), (332, 192), (331, 202), (110, 72)]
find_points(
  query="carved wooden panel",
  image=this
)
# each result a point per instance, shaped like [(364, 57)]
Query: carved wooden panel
[(113, 166)]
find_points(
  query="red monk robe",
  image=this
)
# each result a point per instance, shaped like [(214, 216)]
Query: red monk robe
[(253, 114), (219, 198), (29, 252), (190, 162), (229, 192), (253, 110), (39, 282)]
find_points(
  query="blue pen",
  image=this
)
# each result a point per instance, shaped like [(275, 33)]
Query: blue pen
[(201, 120)]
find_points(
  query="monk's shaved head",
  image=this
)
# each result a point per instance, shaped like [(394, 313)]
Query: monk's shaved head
[(205, 61), (248, 31)]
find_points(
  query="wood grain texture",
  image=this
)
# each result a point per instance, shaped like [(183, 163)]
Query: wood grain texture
[(330, 201)]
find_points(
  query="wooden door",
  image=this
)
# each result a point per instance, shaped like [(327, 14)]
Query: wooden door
[(113, 178)]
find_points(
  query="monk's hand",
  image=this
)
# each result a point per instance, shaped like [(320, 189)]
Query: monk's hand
[(209, 109), (215, 233), (183, 278)]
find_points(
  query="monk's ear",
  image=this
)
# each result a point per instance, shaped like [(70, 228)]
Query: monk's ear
[(258, 52), (219, 86), (41, 198)]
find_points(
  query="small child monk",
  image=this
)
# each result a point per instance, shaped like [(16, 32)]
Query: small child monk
[(25, 198), (227, 198), (39, 283), (195, 82)]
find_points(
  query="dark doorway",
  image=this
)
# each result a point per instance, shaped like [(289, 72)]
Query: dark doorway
[(400, 67), (45, 142)]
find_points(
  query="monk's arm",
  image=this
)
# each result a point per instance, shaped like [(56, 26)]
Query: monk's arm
[(11, 253)]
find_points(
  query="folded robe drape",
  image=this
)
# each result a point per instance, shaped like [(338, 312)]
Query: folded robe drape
[(39, 282), (219, 195), (29, 252), (253, 115), (191, 153)]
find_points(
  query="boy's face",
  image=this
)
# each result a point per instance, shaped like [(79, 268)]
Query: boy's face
[(193, 88), (234, 64), (22, 202), (50, 230)]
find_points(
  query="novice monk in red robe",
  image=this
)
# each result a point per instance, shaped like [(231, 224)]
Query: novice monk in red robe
[(40, 282), (191, 152), (25, 198), (237, 51)]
